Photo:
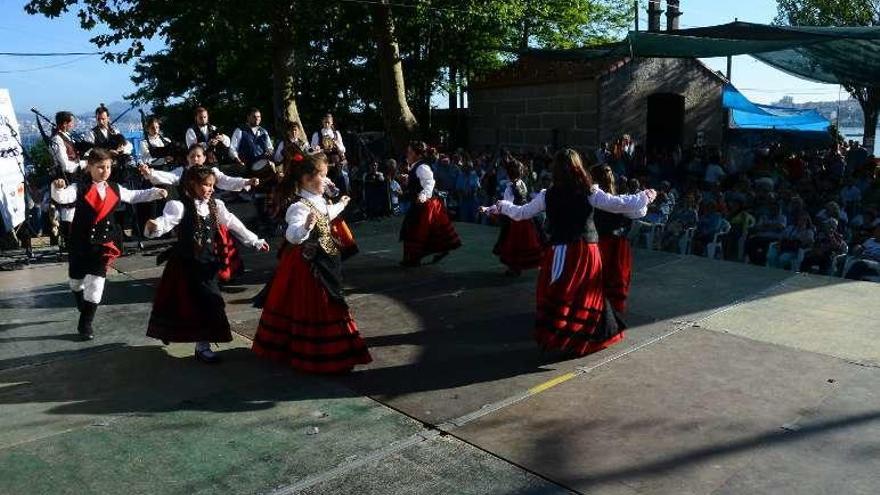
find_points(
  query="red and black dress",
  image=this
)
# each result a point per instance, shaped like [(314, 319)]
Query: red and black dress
[(572, 312), (616, 257), (188, 306), (306, 322), (519, 244), (426, 227)]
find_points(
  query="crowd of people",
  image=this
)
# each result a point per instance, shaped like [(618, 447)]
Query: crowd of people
[(804, 210), (571, 213)]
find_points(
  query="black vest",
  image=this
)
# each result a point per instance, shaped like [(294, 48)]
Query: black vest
[(166, 150), (414, 184), (569, 216), (200, 136), (100, 140), (608, 223), (84, 231), (189, 230)]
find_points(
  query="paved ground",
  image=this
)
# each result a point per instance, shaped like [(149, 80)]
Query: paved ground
[(732, 380)]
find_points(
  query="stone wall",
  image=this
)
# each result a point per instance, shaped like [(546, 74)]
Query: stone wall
[(624, 98), (532, 116)]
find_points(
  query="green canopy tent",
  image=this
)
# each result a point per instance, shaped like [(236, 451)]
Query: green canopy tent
[(844, 55)]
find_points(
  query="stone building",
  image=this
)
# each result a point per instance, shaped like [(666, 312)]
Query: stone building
[(558, 100)]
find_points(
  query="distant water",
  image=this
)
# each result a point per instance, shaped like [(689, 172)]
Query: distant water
[(857, 134)]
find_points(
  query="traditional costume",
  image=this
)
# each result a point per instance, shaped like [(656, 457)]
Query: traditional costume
[(92, 248), (70, 166), (231, 264), (616, 256), (306, 322), (197, 134), (572, 313), (519, 244), (188, 306), (426, 227)]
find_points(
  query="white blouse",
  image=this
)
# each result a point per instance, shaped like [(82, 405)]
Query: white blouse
[(629, 205), (426, 179), (297, 232), (173, 214), (172, 178), (68, 194)]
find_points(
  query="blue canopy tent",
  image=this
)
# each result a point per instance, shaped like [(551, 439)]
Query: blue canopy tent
[(747, 115)]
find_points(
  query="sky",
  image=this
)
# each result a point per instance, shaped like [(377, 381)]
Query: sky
[(79, 84)]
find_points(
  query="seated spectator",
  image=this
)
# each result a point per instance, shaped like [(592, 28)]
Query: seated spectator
[(714, 172), (767, 229), (829, 244), (709, 224), (832, 211), (795, 237), (741, 222), (683, 217), (868, 264), (850, 197)]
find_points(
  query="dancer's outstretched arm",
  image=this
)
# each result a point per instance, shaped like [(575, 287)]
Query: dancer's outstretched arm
[(629, 205)]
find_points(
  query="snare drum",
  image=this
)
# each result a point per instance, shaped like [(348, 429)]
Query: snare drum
[(263, 169)]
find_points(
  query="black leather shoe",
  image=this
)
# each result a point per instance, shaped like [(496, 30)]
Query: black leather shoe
[(86, 317), (440, 256), (207, 356)]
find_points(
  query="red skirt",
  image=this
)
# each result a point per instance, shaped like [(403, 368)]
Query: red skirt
[(188, 306), (231, 265), (519, 245), (572, 312), (427, 230), (302, 326), (616, 269)]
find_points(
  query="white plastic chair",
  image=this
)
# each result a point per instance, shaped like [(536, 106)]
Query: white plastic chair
[(716, 247), (686, 241)]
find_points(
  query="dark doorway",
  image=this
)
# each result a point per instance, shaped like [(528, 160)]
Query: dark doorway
[(665, 121)]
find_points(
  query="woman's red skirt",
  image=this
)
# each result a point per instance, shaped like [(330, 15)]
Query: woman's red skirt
[(188, 306), (519, 245), (302, 326), (616, 269), (572, 314), (427, 230), (231, 265)]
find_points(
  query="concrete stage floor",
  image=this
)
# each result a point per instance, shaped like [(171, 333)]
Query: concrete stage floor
[(733, 379)]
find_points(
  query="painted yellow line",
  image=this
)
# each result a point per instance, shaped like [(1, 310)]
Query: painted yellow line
[(537, 389)]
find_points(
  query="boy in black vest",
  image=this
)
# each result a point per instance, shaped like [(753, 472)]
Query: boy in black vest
[(92, 248)]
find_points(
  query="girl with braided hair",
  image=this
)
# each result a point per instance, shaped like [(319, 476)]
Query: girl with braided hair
[(188, 306), (306, 322)]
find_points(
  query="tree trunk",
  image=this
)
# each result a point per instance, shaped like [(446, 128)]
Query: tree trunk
[(283, 79), (399, 120), (869, 100)]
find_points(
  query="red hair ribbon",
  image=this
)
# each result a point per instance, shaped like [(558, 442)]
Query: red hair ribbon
[(298, 157)]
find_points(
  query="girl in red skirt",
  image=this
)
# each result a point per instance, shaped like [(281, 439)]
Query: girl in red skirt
[(231, 264), (426, 227), (519, 243), (188, 306), (613, 244), (573, 314), (306, 322)]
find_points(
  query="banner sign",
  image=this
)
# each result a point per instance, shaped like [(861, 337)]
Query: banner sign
[(12, 204)]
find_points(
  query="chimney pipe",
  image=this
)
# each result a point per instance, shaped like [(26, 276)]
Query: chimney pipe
[(654, 13), (672, 14)]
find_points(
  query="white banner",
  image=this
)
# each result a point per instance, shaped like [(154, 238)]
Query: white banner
[(12, 205)]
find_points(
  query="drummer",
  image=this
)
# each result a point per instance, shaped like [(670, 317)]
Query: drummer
[(251, 147), (155, 148)]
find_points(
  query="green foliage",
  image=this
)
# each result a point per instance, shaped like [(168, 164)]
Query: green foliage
[(43, 165), (219, 53), (828, 12)]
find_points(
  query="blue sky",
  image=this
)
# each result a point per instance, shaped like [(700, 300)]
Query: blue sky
[(81, 83)]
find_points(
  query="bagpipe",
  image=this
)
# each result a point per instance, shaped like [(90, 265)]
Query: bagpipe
[(79, 144)]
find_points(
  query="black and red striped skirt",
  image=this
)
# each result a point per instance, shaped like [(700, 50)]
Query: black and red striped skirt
[(572, 312), (188, 306), (231, 264), (302, 327), (519, 245), (616, 269), (427, 230)]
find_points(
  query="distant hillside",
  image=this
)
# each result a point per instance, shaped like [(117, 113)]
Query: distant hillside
[(850, 111)]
